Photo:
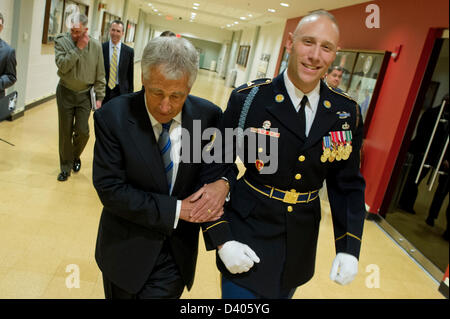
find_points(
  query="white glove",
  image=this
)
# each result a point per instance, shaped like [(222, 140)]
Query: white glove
[(344, 268), (237, 257)]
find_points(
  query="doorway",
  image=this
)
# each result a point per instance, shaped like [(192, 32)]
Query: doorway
[(416, 213)]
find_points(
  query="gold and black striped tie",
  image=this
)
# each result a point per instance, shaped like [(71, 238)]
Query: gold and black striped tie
[(113, 69)]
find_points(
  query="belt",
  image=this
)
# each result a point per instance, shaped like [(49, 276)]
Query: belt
[(284, 196)]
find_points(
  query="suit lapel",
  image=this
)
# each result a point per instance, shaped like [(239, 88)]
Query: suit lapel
[(187, 118), (284, 111), (141, 132), (121, 59), (325, 117)]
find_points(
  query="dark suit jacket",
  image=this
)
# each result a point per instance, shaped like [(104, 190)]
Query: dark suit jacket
[(7, 67), (126, 67), (285, 235), (139, 214)]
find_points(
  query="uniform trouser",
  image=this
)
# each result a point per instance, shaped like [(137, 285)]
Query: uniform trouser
[(73, 118)]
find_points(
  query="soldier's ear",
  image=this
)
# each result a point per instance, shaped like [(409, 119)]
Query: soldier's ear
[(289, 42)]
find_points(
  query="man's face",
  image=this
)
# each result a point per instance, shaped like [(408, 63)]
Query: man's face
[(1, 25), (165, 98), (334, 78), (77, 31), (312, 49), (116, 32)]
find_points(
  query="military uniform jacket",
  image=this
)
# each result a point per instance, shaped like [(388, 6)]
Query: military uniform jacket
[(284, 235)]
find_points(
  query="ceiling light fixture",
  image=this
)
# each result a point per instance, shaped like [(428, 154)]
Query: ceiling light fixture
[(284, 4), (196, 4), (271, 10), (243, 18)]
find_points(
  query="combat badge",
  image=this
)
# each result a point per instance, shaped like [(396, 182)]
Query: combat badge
[(327, 104), (279, 98), (266, 125)]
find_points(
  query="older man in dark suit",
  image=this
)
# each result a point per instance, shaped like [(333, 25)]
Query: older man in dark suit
[(147, 240), (119, 63), (7, 63)]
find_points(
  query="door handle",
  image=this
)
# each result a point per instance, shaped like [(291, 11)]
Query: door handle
[(441, 158), (431, 140)]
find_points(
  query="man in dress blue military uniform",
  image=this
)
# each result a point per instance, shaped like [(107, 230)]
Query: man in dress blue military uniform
[(274, 211)]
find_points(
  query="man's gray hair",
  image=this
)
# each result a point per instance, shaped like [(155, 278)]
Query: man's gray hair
[(174, 56), (79, 18), (320, 12)]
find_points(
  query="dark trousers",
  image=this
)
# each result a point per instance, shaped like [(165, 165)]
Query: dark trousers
[(74, 110), (110, 94), (411, 189), (164, 281), (230, 290)]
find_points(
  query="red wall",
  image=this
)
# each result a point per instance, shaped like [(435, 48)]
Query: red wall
[(405, 22)]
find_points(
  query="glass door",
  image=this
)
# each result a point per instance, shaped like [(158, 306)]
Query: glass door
[(419, 208)]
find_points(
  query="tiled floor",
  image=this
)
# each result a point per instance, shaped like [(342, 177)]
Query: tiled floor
[(48, 228)]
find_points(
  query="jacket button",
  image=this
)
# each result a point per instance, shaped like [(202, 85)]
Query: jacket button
[(301, 158), (298, 176), (290, 209)]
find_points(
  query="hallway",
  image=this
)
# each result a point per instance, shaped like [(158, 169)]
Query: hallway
[(46, 225)]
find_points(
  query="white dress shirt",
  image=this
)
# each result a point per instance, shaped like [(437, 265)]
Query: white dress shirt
[(296, 97), (175, 140), (111, 50)]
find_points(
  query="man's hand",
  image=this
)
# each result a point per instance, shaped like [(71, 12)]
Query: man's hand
[(186, 211), (209, 200), (237, 257), (344, 268), (98, 104), (83, 41)]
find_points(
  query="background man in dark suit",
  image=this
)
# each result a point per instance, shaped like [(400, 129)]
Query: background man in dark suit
[(119, 63), (147, 241), (317, 134), (7, 63)]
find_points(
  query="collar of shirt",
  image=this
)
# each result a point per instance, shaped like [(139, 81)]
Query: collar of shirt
[(296, 96), (112, 45), (157, 127)]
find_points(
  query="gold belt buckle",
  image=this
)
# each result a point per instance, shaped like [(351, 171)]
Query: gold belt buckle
[(290, 197)]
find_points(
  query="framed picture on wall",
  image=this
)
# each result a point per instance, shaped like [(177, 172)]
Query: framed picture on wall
[(56, 14), (346, 60), (130, 31), (362, 78), (106, 23), (242, 58)]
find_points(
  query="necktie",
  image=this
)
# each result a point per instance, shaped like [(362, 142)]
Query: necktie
[(113, 69), (164, 147), (302, 116)]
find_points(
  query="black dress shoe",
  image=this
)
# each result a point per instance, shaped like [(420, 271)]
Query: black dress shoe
[(76, 165), (63, 176)]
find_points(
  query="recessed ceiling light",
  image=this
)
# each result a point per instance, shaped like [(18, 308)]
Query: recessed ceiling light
[(196, 4), (243, 18), (228, 25), (250, 15), (156, 10), (195, 8), (284, 4), (150, 5), (235, 22), (271, 10)]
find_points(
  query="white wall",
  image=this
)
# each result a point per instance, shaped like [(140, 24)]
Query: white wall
[(269, 42)]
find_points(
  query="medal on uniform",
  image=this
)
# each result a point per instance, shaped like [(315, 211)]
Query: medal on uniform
[(323, 157), (348, 142), (327, 104), (259, 165), (266, 125)]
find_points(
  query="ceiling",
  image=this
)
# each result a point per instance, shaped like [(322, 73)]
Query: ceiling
[(236, 14)]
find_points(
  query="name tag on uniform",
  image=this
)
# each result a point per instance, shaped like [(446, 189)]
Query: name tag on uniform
[(264, 132)]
